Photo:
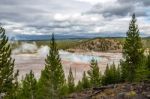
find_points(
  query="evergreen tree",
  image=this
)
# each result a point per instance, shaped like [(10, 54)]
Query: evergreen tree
[(112, 75), (106, 77), (85, 81), (143, 72), (64, 90), (52, 77), (132, 51), (44, 85), (94, 74), (148, 64), (8, 79), (148, 61), (124, 71), (79, 86), (71, 85), (29, 87), (118, 74)]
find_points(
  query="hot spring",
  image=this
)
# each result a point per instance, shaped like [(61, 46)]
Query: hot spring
[(30, 57), (74, 57)]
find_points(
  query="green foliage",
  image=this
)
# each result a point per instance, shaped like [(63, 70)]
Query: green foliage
[(142, 74), (148, 64), (148, 61), (8, 79), (112, 75), (94, 74), (64, 90), (118, 74), (62, 44), (79, 86), (132, 50), (71, 85), (44, 89), (29, 87), (85, 81), (52, 77)]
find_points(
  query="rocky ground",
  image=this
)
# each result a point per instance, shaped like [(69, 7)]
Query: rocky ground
[(115, 91)]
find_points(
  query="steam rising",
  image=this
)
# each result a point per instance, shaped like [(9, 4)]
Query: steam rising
[(77, 57), (43, 51), (26, 48)]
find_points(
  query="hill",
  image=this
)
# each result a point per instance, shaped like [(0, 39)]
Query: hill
[(98, 44)]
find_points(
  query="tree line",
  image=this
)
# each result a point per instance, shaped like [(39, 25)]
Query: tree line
[(134, 67)]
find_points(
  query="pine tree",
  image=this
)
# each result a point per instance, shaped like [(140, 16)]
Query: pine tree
[(8, 79), (148, 64), (118, 74), (143, 72), (52, 77), (106, 76), (79, 86), (94, 74), (148, 61), (112, 75), (115, 73), (124, 71), (29, 87), (85, 81), (71, 85), (44, 85), (132, 50)]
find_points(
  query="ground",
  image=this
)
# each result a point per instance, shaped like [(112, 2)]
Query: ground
[(115, 91)]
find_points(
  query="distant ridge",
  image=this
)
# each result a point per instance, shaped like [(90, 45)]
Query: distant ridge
[(24, 37), (44, 37)]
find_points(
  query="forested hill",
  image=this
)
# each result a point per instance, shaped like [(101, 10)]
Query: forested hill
[(99, 44)]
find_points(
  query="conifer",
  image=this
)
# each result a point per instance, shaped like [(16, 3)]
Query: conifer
[(94, 74), (85, 81), (8, 76), (71, 85), (148, 61), (29, 87), (79, 86), (132, 51), (112, 75), (52, 77)]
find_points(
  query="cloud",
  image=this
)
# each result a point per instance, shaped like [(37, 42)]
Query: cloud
[(137, 2), (120, 8), (72, 17), (111, 9), (96, 1)]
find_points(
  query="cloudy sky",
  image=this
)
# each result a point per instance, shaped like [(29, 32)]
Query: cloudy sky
[(73, 17)]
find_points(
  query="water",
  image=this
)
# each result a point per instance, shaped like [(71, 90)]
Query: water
[(74, 57)]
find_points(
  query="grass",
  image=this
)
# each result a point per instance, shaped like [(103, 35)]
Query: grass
[(65, 44), (61, 44)]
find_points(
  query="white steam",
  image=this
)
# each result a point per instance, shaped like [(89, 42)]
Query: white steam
[(74, 57), (26, 48), (31, 48), (43, 51)]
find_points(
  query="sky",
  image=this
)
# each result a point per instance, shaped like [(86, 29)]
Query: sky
[(73, 17)]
